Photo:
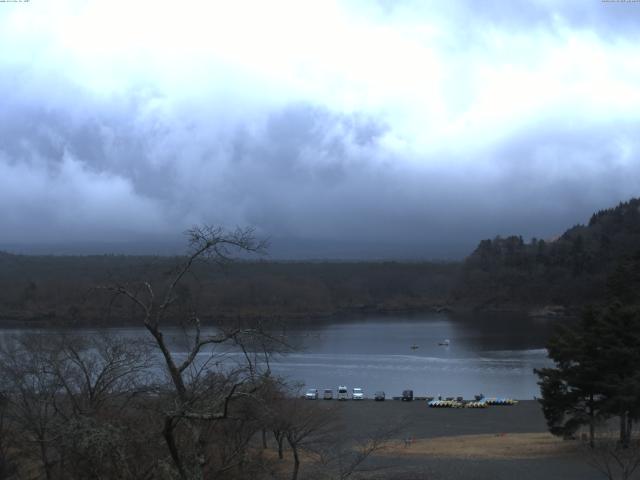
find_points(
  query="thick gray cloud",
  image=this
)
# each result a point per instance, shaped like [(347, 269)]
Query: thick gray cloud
[(435, 141), (605, 18)]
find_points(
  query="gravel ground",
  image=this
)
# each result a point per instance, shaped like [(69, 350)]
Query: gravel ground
[(425, 422), (421, 422)]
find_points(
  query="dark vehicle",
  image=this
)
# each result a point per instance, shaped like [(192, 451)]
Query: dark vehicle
[(379, 396), (407, 395)]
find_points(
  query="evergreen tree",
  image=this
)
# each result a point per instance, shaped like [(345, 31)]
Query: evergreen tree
[(623, 285), (571, 392), (619, 332), (596, 374)]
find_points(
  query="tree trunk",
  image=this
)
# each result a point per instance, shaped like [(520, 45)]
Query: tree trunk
[(279, 439), (624, 436), (201, 448), (264, 438), (45, 460), (174, 371), (167, 432), (296, 461), (591, 423)]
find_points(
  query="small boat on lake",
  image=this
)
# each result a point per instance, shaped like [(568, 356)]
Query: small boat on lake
[(414, 347), (444, 343)]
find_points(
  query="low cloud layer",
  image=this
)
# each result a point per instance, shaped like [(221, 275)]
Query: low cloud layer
[(406, 129)]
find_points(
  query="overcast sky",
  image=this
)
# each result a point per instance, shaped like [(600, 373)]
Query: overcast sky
[(337, 128)]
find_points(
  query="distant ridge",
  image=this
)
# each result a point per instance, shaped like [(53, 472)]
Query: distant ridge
[(586, 264), (572, 270)]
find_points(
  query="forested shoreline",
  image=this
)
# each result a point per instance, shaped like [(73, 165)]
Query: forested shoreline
[(68, 401), (66, 290), (573, 270), (76, 406), (555, 277)]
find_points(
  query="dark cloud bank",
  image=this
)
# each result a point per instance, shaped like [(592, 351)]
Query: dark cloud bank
[(128, 173), (106, 177)]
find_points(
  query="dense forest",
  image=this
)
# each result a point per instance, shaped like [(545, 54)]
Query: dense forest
[(59, 289), (505, 273), (572, 270)]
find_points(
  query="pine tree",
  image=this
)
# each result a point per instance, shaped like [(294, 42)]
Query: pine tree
[(572, 391), (619, 332), (596, 374)]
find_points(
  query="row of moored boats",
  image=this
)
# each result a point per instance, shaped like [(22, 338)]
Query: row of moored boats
[(482, 403)]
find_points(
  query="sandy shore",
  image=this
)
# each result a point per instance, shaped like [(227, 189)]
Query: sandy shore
[(501, 446), (500, 442)]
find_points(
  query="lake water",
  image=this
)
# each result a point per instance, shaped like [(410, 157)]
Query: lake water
[(494, 354)]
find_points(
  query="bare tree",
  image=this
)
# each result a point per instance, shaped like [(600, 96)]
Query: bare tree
[(199, 395), (98, 370), (315, 432), (272, 415), (31, 392), (65, 394), (347, 454), (7, 467), (614, 459), (306, 426), (99, 376)]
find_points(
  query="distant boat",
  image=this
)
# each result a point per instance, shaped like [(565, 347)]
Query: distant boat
[(444, 343), (414, 347)]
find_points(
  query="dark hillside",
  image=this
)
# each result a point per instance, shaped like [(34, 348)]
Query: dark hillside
[(571, 270), (62, 288), (584, 265)]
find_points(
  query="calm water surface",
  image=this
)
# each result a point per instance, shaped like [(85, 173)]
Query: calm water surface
[(494, 354)]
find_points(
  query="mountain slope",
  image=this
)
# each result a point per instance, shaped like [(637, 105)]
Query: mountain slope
[(575, 269)]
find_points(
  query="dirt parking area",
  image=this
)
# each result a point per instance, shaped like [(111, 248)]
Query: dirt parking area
[(496, 443)]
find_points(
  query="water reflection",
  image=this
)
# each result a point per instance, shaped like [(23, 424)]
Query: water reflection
[(494, 354)]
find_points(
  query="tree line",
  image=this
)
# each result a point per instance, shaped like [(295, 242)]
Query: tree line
[(572, 269), (595, 380), (49, 289), (105, 406)]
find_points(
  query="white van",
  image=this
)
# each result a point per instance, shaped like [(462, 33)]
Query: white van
[(343, 393), (358, 394)]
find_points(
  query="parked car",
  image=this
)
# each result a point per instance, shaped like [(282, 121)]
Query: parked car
[(343, 393), (312, 394), (328, 394), (379, 396), (358, 394), (407, 395)]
